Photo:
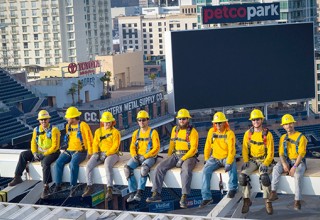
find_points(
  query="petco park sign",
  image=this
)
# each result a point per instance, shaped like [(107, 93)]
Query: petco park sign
[(84, 67), (240, 13)]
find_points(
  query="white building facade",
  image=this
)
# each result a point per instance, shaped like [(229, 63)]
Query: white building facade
[(47, 32), (146, 33)]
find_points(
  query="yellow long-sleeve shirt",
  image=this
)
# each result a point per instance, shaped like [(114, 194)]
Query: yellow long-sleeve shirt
[(143, 144), (55, 141), (110, 145), (183, 145), (75, 143), (221, 148), (258, 150), (292, 148)]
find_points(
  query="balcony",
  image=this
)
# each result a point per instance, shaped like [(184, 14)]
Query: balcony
[(13, 7), (16, 40), (15, 48), (13, 15), (47, 46), (15, 32), (3, 32), (3, 16), (4, 41), (45, 14), (46, 39), (47, 55)]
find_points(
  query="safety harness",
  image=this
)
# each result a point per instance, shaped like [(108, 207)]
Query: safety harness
[(79, 135), (48, 133), (264, 142), (149, 139), (187, 140), (105, 137), (296, 143)]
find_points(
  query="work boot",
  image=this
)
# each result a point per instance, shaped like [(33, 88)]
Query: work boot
[(273, 196), (297, 205), (88, 191), (16, 180), (183, 201), (131, 197), (269, 208), (231, 193), (73, 190), (156, 197), (109, 193), (138, 195), (45, 193), (246, 205), (205, 203), (57, 188)]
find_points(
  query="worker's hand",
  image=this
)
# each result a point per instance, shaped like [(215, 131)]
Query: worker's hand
[(141, 159), (35, 157), (40, 156), (263, 169), (227, 167), (245, 166), (136, 159), (179, 163)]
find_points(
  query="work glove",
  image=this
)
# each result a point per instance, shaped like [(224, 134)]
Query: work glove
[(64, 146), (141, 159), (38, 157), (179, 163), (263, 169), (227, 167), (204, 162), (245, 166), (136, 159)]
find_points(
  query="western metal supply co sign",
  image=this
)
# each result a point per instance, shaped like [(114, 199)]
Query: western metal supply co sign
[(240, 13), (92, 116)]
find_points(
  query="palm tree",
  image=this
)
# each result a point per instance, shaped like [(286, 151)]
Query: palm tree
[(106, 78), (72, 91), (79, 87), (153, 77)]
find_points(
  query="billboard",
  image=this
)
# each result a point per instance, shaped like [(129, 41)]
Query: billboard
[(240, 13), (240, 66)]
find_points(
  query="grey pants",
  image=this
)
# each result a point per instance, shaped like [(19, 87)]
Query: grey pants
[(168, 163), (253, 166), (298, 174), (109, 162)]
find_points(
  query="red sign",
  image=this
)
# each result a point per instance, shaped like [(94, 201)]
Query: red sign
[(84, 67)]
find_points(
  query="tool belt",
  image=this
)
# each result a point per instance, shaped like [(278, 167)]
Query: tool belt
[(257, 158)]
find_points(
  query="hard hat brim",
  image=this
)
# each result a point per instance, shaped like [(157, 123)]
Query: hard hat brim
[(73, 116), (43, 118), (288, 123)]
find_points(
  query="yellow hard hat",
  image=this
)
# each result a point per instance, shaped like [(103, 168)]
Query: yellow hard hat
[(72, 112), (256, 113), (219, 117), (183, 113), (107, 117), (43, 114), (142, 114), (287, 119)]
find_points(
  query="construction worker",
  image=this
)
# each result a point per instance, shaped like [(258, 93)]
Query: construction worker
[(77, 144), (219, 151), (105, 146), (45, 145), (144, 149), (258, 154), (182, 154), (292, 151)]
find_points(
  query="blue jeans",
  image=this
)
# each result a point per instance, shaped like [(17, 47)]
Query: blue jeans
[(75, 158), (132, 183), (212, 165)]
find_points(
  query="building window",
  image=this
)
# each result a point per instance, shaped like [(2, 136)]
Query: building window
[(23, 20), (150, 29), (36, 44), (160, 41), (26, 61), (159, 23), (144, 30), (144, 35), (25, 45), (24, 29), (38, 61), (34, 20), (25, 37), (160, 35), (150, 35), (161, 52), (178, 25), (23, 13), (37, 53), (136, 41), (150, 24), (145, 47), (26, 53), (123, 25), (35, 29)]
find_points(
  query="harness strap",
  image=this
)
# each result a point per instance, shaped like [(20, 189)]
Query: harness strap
[(149, 139), (79, 135), (296, 143), (264, 138)]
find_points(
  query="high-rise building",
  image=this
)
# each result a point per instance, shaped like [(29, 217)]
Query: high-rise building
[(146, 33), (47, 32)]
